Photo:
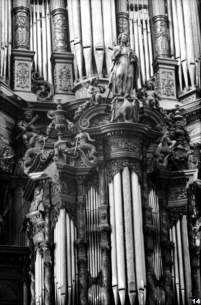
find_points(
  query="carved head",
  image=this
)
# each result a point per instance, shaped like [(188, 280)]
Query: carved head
[(123, 37), (28, 115)]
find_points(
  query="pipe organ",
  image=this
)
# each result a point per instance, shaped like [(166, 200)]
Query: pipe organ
[(100, 144)]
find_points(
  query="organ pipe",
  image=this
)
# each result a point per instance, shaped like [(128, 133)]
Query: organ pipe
[(131, 278), (77, 35), (180, 255), (86, 35), (39, 43), (176, 264), (121, 272), (49, 44), (108, 38), (97, 32), (69, 261), (44, 42), (139, 246), (113, 242), (63, 254)]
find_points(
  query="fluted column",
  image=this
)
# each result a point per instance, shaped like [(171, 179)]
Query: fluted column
[(62, 60), (104, 238), (22, 56), (149, 231)]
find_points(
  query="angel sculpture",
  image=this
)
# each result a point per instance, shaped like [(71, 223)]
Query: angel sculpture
[(128, 110)]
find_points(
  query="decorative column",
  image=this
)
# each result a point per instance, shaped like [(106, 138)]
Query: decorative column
[(81, 243), (104, 229), (149, 231), (122, 17), (194, 227), (22, 56), (164, 66), (47, 251), (62, 60)]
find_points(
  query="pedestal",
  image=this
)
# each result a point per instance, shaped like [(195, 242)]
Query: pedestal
[(165, 81), (63, 75)]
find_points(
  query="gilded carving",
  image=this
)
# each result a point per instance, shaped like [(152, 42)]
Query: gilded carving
[(60, 30), (21, 28), (22, 75), (161, 34)]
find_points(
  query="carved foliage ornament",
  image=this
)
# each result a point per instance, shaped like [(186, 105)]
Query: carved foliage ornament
[(115, 166), (179, 193), (22, 75), (6, 155), (64, 77), (21, 28), (167, 83), (175, 214), (40, 87)]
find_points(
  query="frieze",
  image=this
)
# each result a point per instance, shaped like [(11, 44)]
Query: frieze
[(115, 166), (178, 193), (123, 145)]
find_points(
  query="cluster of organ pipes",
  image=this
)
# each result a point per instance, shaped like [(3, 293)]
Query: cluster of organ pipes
[(141, 38), (185, 40), (5, 39), (65, 261), (92, 222), (157, 263), (40, 38), (182, 284), (127, 240), (92, 27)]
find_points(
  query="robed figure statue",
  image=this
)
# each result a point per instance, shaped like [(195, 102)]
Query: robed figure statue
[(125, 68)]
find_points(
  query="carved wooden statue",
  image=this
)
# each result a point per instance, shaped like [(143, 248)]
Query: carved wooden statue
[(38, 196), (123, 72)]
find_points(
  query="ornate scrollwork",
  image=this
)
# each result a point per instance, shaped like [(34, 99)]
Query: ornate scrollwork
[(83, 148), (175, 214), (42, 89), (34, 142), (21, 27), (115, 166)]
